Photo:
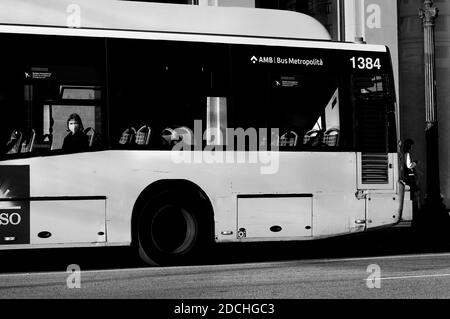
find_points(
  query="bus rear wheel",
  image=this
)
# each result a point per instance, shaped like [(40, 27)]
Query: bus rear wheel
[(172, 230)]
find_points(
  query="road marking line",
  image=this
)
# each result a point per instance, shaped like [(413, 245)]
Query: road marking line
[(408, 277), (380, 257)]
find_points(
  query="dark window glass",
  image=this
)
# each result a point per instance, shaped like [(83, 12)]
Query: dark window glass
[(292, 91), (44, 79), (164, 87), (374, 109), (372, 96)]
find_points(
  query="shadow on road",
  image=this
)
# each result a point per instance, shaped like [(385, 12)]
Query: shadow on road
[(379, 243), (388, 242)]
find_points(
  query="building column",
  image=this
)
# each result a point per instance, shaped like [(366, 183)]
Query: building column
[(434, 209)]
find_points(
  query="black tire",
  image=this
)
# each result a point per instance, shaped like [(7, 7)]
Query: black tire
[(173, 229)]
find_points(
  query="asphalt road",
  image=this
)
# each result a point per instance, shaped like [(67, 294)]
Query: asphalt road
[(333, 269), (405, 276)]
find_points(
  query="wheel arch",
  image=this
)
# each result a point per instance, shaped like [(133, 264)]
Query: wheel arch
[(169, 184)]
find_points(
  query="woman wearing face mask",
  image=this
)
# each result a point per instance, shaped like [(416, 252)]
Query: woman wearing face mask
[(76, 140)]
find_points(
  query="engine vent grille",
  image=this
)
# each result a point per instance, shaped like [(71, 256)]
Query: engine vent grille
[(375, 168)]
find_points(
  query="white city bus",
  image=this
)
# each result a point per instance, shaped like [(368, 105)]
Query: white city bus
[(203, 125)]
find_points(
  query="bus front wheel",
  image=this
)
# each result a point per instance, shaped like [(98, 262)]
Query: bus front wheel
[(172, 229)]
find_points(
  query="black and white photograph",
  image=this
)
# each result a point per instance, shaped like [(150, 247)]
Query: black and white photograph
[(224, 158)]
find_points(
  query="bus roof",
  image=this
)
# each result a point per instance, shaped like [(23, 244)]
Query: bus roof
[(159, 17)]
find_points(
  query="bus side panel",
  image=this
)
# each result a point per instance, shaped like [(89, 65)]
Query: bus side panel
[(329, 178), (274, 217), (336, 214), (67, 221), (382, 209), (117, 176), (120, 176)]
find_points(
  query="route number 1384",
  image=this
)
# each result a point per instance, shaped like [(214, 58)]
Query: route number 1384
[(365, 63)]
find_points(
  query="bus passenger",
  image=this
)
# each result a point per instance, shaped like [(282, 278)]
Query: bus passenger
[(76, 140)]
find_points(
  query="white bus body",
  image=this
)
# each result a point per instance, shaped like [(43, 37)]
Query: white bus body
[(95, 198)]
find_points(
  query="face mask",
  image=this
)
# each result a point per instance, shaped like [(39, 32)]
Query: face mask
[(73, 127)]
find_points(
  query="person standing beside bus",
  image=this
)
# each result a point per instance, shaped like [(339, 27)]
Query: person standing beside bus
[(410, 165), (76, 140)]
